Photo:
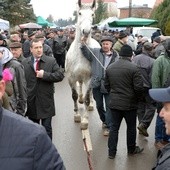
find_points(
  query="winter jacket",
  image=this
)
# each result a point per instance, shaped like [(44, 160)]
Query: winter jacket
[(145, 63), (25, 145), (158, 50), (98, 71), (160, 71), (163, 161), (124, 81), (47, 50), (60, 44), (18, 100), (40, 91), (118, 45)]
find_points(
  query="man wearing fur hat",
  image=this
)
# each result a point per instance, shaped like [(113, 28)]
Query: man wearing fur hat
[(124, 82)]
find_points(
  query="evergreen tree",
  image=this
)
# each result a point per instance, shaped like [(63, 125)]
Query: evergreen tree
[(17, 12), (162, 14), (101, 12)]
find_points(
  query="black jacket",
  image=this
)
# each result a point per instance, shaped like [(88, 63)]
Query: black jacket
[(40, 91), (124, 81)]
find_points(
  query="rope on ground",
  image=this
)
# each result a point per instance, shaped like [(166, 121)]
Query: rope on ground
[(88, 155)]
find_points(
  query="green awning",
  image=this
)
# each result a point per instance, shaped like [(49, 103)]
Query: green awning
[(132, 22)]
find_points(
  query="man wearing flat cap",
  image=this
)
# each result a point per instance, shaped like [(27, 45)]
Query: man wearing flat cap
[(26, 44), (16, 50), (105, 56), (124, 82), (163, 95), (158, 47)]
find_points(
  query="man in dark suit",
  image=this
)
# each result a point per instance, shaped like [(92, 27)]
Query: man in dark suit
[(41, 73)]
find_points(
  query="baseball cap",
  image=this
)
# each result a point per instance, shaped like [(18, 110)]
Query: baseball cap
[(160, 94)]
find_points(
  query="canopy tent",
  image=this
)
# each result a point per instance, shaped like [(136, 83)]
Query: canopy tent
[(30, 25), (132, 22), (4, 24), (41, 21)]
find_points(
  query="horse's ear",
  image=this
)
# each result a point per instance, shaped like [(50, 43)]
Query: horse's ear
[(79, 3), (94, 4)]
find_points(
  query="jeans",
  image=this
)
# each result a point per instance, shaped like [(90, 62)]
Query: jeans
[(116, 119), (102, 105), (146, 110), (46, 123), (160, 130)]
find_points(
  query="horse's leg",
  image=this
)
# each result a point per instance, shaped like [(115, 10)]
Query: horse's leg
[(81, 92), (90, 107), (84, 122), (77, 117)]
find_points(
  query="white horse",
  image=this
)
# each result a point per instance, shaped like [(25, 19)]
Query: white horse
[(77, 67)]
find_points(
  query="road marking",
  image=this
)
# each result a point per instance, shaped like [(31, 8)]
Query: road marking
[(86, 135)]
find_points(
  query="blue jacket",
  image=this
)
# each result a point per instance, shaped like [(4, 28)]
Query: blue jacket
[(25, 145)]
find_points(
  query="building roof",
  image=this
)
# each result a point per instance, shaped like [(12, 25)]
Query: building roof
[(136, 7), (90, 1)]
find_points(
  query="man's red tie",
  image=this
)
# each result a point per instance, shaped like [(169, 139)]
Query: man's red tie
[(37, 64)]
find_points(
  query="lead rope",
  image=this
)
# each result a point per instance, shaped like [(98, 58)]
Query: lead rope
[(88, 155), (95, 56)]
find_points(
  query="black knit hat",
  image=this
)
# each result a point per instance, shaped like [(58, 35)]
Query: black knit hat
[(126, 51)]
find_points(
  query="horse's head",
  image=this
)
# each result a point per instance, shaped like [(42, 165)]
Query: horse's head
[(85, 18)]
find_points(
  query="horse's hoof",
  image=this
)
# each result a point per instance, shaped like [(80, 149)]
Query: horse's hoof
[(77, 118), (90, 108), (84, 124)]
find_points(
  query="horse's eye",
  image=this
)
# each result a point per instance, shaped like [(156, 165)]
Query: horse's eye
[(92, 15), (79, 13)]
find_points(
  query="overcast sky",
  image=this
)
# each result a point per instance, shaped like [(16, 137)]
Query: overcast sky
[(64, 8)]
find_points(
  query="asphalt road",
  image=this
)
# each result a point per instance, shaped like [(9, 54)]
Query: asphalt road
[(67, 137)]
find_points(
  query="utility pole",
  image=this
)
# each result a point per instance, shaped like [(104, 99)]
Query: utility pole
[(130, 8)]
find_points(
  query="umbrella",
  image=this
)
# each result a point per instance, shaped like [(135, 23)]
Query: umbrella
[(4, 24), (30, 25), (132, 22)]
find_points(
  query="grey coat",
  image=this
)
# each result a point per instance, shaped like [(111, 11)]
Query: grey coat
[(25, 145), (163, 161), (145, 62), (40, 91), (98, 72)]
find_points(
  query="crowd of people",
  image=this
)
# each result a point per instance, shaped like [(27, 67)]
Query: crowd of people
[(33, 60)]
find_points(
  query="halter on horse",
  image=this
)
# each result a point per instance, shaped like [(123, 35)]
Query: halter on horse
[(78, 68)]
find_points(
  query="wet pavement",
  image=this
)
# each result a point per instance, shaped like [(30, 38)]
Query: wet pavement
[(67, 137)]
